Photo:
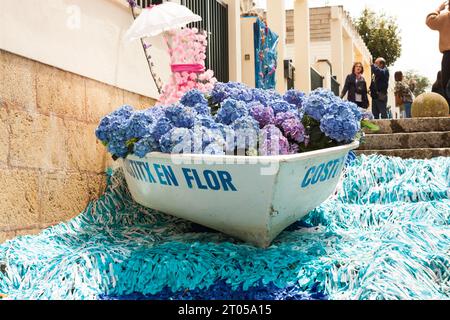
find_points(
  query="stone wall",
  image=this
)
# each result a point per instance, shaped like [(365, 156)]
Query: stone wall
[(319, 21), (51, 164)]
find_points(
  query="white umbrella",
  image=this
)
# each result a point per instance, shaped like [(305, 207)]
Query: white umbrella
[(160, 18), (155, 20)]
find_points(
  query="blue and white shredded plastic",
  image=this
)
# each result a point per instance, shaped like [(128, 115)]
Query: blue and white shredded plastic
[(385, 234)]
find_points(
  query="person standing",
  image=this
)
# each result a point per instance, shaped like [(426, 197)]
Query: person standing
[(440, 21), (356, 87), (403, 95), (379, 88), (437, 85)]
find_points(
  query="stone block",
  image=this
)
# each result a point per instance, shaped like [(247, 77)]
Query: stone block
[(19, 199), (101, 99), (6, 235), (138, 101), (64, 196), (85, 151), (37, 141), (96, 185), (4, 137), (60, 92), (17, 81), (407, 141), (28, 232)]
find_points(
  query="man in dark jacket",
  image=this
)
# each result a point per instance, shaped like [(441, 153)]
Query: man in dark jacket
[(379, 88)]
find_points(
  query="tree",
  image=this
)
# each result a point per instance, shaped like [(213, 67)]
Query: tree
[(418, 84), (381, 35)]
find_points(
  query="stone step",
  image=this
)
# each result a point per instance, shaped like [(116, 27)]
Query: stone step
[(412, 125), (407, 141), (425, 153)]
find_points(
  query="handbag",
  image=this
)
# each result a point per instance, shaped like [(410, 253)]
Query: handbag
[(398, 100)]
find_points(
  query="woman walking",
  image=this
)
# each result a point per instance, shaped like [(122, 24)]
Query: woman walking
[(356, 87), (403, 95)]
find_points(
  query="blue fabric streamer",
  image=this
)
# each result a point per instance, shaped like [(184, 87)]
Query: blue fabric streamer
[(384, 234)]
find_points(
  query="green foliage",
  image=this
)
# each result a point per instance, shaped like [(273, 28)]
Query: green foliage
[(417, 83), (369, 125), (381, 35)]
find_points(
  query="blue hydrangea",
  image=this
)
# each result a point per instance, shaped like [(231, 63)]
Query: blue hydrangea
[(156, 112), (294, 97), (202, 137), (205, 121), (354, 109), (202, 109), (124, 112), (234, 90), (118, 148), (214, 149), (146, 145), (230, 111), (139, 124), (245, 123), (114, 126), (317, 104), (181, 116), (193, 97), (340, 123), (160, 128), (246, 132), (280, 106), (177, 140)]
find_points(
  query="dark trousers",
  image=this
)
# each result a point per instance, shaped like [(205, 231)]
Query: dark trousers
[(379, 107), (446, 73)]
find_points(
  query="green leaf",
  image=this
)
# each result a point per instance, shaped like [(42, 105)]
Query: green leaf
[(369, 125)]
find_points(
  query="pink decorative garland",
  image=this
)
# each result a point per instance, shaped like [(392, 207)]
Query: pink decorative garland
[(187, 50)]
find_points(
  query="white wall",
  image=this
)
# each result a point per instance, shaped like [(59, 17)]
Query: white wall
[(320, 50), (84, 37)]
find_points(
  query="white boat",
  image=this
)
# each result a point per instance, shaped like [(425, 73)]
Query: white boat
[(251, 198)]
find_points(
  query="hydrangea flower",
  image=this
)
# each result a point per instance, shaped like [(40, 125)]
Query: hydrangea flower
[(205, 121), (294, 129), (193, 97), (283, 116), (317, 104), (202, 109), (272, 142), (340, 123), (294, 97), (181, 116), (146, 145), (202, 137), (118, 148), (234, 90), (246, 131), (160, 128), (231, 111), (156, 112), (214, 149), (354, 109), (280, 106), (264, 115), (114, 125), (177, 140), (139, 124)]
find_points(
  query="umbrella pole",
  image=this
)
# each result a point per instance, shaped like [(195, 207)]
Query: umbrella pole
[(148, 56)]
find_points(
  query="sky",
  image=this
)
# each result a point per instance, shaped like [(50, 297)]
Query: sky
[(420, 45)]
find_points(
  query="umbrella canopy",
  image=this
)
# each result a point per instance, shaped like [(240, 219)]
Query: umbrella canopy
[(157, 19)]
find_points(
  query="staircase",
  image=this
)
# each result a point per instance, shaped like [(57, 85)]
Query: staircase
[(419, 138)]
